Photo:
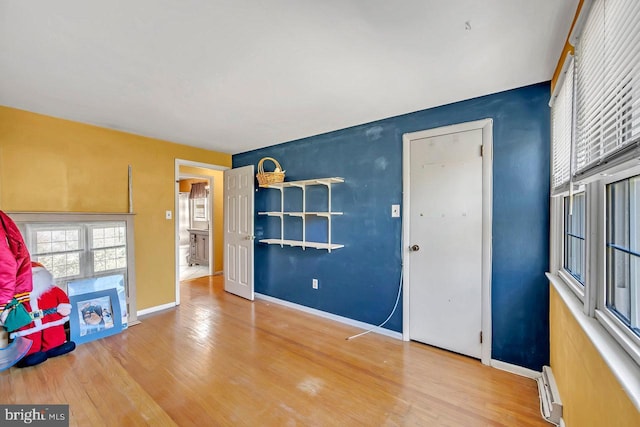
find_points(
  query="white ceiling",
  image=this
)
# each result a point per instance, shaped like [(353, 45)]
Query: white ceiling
[(235, 75)]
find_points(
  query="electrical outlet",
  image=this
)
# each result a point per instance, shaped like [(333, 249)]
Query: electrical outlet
[(167, 214), (314, 283), (395, 211)]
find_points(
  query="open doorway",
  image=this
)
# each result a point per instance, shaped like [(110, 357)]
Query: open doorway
[(195, 223), (199, 218)]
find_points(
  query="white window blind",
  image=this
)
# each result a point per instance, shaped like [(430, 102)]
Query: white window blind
[(608, 83), (562, 129)]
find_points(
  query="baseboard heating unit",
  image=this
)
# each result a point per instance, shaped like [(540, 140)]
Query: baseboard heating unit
[(550, 403)]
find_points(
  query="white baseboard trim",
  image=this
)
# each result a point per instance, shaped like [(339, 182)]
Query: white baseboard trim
[(155, 309), (330, 316), (515, 369)]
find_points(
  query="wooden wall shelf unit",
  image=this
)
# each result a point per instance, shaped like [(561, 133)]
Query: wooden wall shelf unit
[(328, 214)]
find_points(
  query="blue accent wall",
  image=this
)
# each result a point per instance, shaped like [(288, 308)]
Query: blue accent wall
[(361, 280)]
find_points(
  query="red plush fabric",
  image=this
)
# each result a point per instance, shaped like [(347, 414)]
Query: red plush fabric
[(15, 263)]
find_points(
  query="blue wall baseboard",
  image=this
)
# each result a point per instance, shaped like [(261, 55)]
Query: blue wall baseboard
[(360, 281)]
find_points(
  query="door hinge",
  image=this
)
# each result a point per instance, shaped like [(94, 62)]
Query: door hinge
[(480, 337), (481, 150)]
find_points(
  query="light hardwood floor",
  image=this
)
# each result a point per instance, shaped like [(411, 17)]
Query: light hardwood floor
[(221, 360)]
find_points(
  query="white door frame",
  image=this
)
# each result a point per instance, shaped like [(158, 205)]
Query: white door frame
[(176, 207), (487, 200)]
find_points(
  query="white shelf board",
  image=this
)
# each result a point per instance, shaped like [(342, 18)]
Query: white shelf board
[(301, 244), (305, 182), (324, 214), (278, 213)]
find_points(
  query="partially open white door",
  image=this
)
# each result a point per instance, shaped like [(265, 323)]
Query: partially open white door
[(238, 231)]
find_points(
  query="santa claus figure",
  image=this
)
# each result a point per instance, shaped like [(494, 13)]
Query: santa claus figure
[(50, 310)]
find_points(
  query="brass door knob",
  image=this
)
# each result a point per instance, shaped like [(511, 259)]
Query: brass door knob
[(415, 248)]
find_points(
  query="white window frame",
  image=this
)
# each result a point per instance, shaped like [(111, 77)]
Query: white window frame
[(577, 287), (32, 242), (23, 218), (563, 186), (91, 249), (621, 332), (86, 250), (618, 345), (193, 205)]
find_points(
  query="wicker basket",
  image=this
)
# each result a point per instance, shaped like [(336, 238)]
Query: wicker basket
[(266, 178)]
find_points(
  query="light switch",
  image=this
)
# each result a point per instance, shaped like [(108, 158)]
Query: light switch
[(395, 211), (168, 214)]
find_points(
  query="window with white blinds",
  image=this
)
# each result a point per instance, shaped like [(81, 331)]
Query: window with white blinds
[(562, 129), (608, 83), (595, 232)]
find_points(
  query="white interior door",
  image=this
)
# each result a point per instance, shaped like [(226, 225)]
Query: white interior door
[(445, 268), (238, 231)]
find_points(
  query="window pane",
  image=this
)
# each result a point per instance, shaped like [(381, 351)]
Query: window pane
[(43, 237), (72, 239), (618, 232), (66, 248), (574, 237), (61, 265), (43, 248), (619, 292), (109, 236), (634, 201), (121, 257), (57, 240), (109, 259), (623, 259)]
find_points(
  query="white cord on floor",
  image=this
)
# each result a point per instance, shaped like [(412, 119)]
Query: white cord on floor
[(387, 319)]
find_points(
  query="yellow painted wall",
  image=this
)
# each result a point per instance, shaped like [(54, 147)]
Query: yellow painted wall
[(591, 395), (217, 209), (54, 165)]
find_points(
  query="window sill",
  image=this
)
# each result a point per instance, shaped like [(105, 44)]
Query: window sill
[(623, 367), (571, 283)]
